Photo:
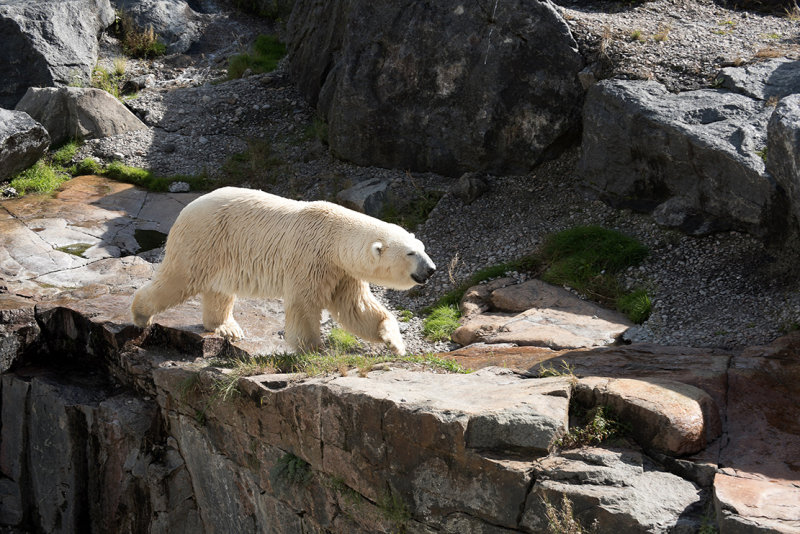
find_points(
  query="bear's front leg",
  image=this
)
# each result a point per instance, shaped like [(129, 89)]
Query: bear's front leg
[(218, 315), (356, 309)]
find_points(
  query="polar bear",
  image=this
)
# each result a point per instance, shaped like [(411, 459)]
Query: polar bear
[(242, 242)]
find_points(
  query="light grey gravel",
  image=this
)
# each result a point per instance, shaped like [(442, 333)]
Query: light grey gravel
[(724, 290)]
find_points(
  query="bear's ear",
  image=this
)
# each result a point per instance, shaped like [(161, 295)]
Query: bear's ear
[(412, 236), (377, 249)]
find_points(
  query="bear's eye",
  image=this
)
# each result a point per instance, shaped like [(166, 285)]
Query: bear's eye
[(411, 254)]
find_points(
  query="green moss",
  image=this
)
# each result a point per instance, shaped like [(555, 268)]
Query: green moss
[(267, 51), (76, 249)]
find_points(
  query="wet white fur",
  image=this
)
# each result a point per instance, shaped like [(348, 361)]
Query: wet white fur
[(241, 242)]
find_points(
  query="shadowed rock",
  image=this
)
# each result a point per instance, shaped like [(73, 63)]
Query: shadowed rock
[(22, 142)]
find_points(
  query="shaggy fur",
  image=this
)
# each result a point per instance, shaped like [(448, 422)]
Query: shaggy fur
[(241, 242)]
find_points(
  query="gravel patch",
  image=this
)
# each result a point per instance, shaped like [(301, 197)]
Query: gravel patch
[(725, 290)]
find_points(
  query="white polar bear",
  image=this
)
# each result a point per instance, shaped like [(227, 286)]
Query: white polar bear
[(242, 242)]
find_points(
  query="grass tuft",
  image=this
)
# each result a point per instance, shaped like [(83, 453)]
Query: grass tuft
[(40, 178), (600, 425), (562, 520), (137, 42), (342, 341), (441, 322), (144, 178), (267, 51), (635, 305)]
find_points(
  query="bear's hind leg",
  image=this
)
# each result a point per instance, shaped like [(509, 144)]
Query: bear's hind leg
[(156, 296), (302, 326), (218, 315)]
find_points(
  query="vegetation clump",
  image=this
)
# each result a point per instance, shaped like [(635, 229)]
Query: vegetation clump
[(47, 174), (292, 470), (600, 424), (135, 41), (440, 322), (562, 520), (267, 51)]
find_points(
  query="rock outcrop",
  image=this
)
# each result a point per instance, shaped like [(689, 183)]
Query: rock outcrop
[(78, 113), (696, 160), (22, 142), (174, 22), (49, 43), (447, 87), (108, 427), (783, 149)]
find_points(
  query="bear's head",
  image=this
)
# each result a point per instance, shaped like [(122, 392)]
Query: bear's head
[(386, 255), (400, 263)]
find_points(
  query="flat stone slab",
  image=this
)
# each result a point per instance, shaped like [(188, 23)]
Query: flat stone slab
[(51, 242), (535, 313)]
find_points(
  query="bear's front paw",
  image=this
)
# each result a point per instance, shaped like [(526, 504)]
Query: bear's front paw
[(230, 330)]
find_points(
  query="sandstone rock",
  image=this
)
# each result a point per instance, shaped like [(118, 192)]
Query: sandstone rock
[(49, 43), (78, 113), (498, 93), (550, 317), (367, 197), (174, 22), (670, 417), (22, 142), (757, 489), (764, 80), (692, 159), (783, 150), (616, 488)]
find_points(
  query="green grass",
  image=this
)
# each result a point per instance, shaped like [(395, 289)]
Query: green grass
[(148, 180), (266, 52), (342, 341), (636, 305), (87, 166), (588, 258), (109, 82), (40, 178), (440, 323)]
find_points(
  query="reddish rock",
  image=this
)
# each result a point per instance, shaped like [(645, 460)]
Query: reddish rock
[(664, 415)]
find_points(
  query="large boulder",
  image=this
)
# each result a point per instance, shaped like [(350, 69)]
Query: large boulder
[(441, 86), (694, 159), (22, 142), (783, 149), (75, 112), (764, 80), (175, 23), (48, 43)]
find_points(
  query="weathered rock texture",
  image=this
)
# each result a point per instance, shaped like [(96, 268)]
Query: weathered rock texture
[(22, 142), (78, 113), (48, 43), (108, 427), (535, 313), (783, 149), (174, 22), (692, 159), (445, 86)]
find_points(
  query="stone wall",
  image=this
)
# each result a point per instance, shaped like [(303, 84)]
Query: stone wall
[(107, 428)]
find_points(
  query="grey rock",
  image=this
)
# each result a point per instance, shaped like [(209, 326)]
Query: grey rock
[(367, 197), (22, 142), (764, 80), (693, 159), (470, 186), (617, 488), (78, 113), (783, 150), (179, 187), (175, 23), (445, 87), (19, 330), (48, 43)]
